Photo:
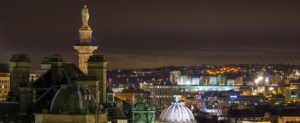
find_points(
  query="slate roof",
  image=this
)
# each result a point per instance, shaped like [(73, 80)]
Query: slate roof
[(44, 100), (44, 81), (118, 113), (69, 70)]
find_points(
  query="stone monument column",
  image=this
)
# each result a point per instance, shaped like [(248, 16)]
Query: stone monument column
[(85, 44)]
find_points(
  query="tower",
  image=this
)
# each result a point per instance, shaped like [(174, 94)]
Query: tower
[(26, 96), (19, 72), (56, 69), (97, 67), (85, 45), (46, 64)]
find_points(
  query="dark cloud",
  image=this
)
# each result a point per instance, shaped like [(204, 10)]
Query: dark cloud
[(154, 33)]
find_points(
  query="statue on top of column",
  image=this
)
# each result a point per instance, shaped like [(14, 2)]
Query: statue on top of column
[(85, 16)]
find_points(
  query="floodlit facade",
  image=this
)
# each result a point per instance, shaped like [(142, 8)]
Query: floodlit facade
[(174, 76), (4, 81), (177, 79), (195, 81), (162, 95), (212, 80), (184, 80), (204, 80)]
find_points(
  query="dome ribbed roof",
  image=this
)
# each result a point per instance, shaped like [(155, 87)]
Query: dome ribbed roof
[(177, 112), (75, 99)]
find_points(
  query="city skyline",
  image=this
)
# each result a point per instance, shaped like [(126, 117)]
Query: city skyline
[(140, 34)]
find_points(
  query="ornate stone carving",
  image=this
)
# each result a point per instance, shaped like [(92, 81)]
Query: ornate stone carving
[(85, 16)]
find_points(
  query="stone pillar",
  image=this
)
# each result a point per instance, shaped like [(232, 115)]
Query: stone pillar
[(97, 67), (26, 97), (56, 69), (46, 64), (85, 45), (19, 72), (85, 34)]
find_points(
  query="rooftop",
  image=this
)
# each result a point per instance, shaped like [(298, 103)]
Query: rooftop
[(20, 57), (97, 58)]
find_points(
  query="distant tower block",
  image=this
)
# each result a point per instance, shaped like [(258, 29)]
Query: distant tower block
[(174, 77), (85, 45)]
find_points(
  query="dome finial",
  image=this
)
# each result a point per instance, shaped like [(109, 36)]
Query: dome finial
[(177, 113), (177, 98)]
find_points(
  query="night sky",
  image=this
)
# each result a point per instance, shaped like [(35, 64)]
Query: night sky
[(153, 33)]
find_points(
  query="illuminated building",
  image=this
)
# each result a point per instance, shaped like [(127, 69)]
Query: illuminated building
[(289, 118), (137, 73), (190, 99), (247, 91), (162, 95), (177, 113), (174, 76), (131, 96), (184, 80), (4, 81), (195, 81), (117, 89), (230, 81), (212, 80), (265, 114), (221, 79), (204, 80), (292, 92), (142, 85), (235, 80), (239, 80), (212, 105), (213, 102), (33, 77), (273, 79)]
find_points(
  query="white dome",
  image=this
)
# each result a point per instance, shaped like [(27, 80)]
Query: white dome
[(177, 112)]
